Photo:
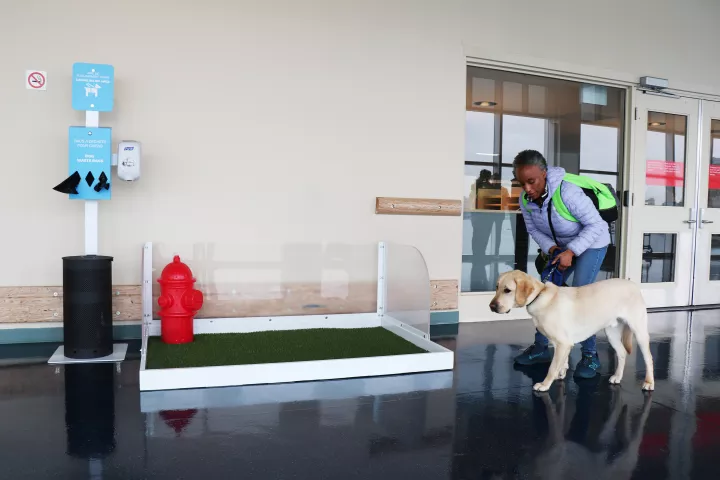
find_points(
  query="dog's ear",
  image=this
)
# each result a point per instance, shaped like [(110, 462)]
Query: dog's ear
[(523, 290)]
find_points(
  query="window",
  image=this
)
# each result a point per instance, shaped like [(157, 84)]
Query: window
[(576, 126)]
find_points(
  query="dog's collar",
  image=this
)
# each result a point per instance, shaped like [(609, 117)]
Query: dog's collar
[(535, 299)]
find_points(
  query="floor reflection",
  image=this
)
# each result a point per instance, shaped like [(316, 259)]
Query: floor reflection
[(90, 411), (480, 421), (590, 426), (571, 452)]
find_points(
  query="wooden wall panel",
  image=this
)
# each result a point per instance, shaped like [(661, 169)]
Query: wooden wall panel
[(265, 300), (417, 206), (443, 294), (44, 304)]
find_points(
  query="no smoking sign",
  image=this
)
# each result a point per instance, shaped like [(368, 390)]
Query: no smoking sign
[(35, 80)]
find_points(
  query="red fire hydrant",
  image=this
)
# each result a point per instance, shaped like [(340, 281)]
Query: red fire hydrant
[(179, 302)]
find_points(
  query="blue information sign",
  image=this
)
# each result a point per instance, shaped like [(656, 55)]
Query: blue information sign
[(93, 87), (91, 156)]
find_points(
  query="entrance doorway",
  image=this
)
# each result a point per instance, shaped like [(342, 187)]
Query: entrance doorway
[(578, 126), (674, 233)]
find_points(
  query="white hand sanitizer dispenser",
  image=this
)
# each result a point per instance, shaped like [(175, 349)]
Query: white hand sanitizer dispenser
[(128, 161)]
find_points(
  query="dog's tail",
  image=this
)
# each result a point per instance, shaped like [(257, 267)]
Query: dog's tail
[(627, 338)]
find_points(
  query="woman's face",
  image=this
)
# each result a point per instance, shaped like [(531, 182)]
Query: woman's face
[(532, 180)]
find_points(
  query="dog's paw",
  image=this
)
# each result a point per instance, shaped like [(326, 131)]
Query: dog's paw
[(539, 387), (615, 380), (648, 386)]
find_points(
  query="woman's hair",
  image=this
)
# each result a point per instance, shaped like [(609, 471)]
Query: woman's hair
[(529, 157)]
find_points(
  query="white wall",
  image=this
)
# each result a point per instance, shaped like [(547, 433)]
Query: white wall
[(281, 121), (615, 38)]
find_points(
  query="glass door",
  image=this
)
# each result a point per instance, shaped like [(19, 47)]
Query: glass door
[(663, 216), (707, 256)]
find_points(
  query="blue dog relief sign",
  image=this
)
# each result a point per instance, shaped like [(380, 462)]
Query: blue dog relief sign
[(90, 157), (93, 87)]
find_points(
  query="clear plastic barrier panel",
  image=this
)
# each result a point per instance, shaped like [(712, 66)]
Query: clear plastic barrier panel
[(407, 286), (275, 280)]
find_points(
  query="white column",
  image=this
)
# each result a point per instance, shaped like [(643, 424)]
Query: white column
[(92, 120), (91, 227)]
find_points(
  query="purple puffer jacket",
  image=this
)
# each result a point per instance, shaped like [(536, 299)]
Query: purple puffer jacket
[(591, 231)]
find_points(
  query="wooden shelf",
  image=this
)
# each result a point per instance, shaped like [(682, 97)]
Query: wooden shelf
[(417, 206)]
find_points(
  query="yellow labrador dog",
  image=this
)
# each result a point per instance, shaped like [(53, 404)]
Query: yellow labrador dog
[(569, 315)]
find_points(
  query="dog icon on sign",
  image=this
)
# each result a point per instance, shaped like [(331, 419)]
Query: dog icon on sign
[(91, 89)]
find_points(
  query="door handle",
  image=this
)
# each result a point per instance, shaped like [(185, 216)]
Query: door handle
[(692, 219), (702, 214)]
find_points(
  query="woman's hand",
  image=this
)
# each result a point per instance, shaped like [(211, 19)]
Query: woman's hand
[(564, 260)]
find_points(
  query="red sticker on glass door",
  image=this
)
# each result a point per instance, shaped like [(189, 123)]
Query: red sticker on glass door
[(664, 174)]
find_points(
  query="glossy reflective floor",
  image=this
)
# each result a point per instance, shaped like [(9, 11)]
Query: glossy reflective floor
[(481, 421)]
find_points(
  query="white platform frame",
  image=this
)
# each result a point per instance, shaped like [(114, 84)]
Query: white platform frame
[(436, 357)]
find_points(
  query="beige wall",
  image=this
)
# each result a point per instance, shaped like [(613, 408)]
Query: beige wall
[(261, 102)]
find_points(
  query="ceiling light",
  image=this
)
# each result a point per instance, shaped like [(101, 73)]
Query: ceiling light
[(657, 124), (489, 154), (484, 103)]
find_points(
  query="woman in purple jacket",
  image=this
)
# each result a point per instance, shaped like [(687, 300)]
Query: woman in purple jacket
[(582, 244)]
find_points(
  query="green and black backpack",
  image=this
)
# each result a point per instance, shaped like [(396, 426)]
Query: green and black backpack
[(602, 195), (605, 199)]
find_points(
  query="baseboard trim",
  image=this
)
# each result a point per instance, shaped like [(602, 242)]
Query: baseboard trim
[(445, 330), (446, 317), (690, 308), (53, 333)]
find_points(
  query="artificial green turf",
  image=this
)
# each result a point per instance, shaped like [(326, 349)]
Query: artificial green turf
[(277, 346)]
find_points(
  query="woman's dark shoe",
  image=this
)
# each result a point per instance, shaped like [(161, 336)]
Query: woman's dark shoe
[(535, 354), (588, 366)]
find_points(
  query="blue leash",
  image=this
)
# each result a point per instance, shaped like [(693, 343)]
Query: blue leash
[(552, 270)]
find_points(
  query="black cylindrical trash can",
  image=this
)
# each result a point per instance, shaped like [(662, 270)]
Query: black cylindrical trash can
[(87, 306)]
